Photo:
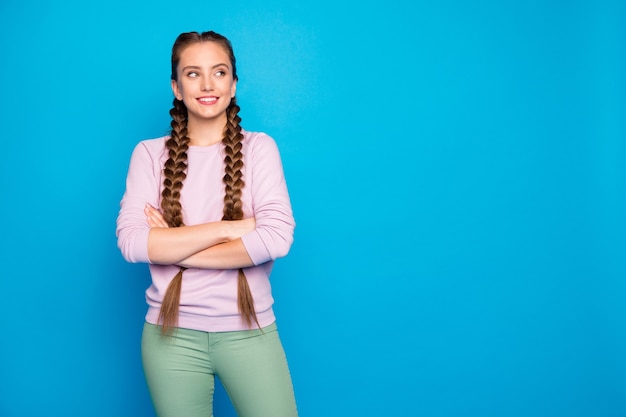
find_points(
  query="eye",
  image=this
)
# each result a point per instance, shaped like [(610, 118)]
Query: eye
[(220, 73), (192, 74)]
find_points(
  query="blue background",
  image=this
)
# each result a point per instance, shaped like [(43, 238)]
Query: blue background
[(457, 171)]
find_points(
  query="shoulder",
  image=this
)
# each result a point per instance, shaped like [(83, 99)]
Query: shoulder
[(261, 152), (156, 145), (258, 140), (152, 148), (253, 137)]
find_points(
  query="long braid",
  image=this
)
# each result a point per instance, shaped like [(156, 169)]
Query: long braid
[(233, 207), (174, 173)]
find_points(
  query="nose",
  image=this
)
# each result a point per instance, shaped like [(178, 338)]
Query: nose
[(207, 85)]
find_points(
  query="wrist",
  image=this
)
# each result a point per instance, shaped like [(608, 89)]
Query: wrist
[(227, 231)]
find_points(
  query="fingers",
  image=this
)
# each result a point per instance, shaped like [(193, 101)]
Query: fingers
[(154, 217)]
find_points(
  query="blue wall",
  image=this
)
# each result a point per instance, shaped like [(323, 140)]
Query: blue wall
[(457, 171)]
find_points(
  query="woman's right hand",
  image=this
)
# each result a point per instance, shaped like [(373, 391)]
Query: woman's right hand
[(154, 217)]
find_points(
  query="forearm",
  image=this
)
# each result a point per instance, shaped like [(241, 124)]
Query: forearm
[(229, 255), (171, 245)]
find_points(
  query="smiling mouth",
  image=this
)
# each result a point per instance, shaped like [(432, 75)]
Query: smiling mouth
[(207, 100)]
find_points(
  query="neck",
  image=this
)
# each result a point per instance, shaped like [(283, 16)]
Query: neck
[(205, 132)]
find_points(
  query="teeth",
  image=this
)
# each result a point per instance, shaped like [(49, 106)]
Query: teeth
[(208, 99)]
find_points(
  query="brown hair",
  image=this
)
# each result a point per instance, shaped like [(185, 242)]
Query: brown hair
[(174, 173)]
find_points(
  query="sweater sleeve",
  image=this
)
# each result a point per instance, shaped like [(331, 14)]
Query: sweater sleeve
[(142, 184), (275, 224)]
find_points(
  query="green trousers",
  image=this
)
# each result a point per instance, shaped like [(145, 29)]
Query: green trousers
[(251, 365)]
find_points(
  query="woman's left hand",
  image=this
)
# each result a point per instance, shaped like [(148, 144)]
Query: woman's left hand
[(154, 217)]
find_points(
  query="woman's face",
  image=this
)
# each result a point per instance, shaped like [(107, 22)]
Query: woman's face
[(205, 81)]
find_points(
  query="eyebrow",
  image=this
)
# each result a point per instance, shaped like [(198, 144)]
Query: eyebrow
[(188, 67)]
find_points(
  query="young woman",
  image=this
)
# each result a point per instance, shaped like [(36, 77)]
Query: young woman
[(207, 208)]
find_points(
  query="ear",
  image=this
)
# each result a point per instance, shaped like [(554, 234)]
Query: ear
[(233, 89), (176, 90)]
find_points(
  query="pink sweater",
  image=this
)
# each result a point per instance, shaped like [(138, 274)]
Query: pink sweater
[(209, 297)]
